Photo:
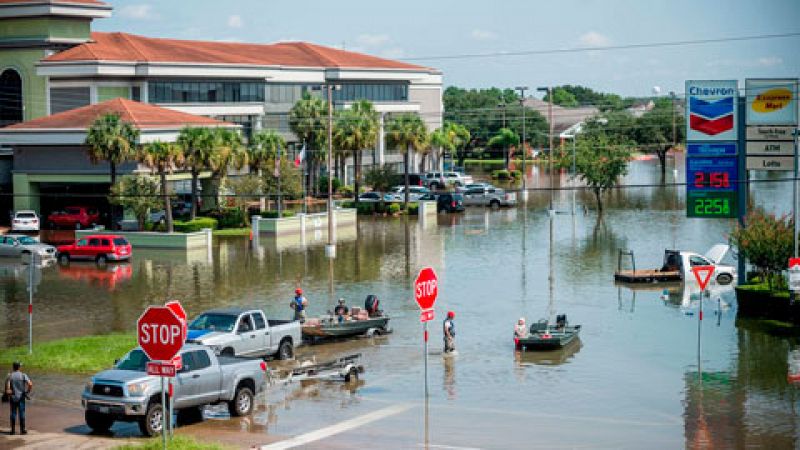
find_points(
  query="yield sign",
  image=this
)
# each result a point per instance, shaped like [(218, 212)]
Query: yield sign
[(703, 275)]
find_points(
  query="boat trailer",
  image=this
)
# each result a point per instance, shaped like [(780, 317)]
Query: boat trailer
[(345, 369)]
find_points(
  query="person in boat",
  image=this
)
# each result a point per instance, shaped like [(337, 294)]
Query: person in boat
[(449, 329), (299, 305), (520, 331), (341, 311)]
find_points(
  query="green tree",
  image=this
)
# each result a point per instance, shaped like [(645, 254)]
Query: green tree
[(113, 140), (265, 146), (356, 129), (197, 145), (161, 158), (407, 133), (766, 241), (308, 120), (600, 164), (563, 97), (245, 189), (229, 153), (459, 138), (380, 178), (140, 194), (290, 180), (585, 96), (654, 131), (504, 139)]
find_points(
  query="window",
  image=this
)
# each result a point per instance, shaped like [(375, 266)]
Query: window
[(65, 99), (259, 319), (245, 325), (205, 92), (82, 243), (120, 241), (201, 360), (105, 242), (136, 93), (698, 261), (187, 361), (11, 92), (94, 242)]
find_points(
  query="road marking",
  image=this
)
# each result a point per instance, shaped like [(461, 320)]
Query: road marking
[(340, 427), (447, 447)]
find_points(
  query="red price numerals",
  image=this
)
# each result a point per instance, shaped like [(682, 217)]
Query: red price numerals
[(718, 180)]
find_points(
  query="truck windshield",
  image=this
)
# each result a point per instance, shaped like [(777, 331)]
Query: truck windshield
[(136, 361), (214, 322)]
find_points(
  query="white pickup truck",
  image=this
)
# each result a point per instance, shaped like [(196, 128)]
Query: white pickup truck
[(245, 332), (479, 194)]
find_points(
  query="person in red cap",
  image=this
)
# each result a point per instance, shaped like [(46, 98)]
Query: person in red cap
[(449, 329), (299, 304)]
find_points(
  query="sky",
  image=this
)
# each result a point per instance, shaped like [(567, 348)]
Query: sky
[(412, 29)]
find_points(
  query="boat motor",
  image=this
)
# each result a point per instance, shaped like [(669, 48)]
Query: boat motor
[(371, 304), (561, 320)]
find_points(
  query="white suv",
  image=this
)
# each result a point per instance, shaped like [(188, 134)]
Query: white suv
[(25, 221), (439, 180)]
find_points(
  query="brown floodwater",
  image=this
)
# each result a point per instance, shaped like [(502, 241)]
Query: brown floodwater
[(643, 375)]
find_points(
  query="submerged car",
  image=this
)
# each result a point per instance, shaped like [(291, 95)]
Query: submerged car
[(99, 248), (16, 245)]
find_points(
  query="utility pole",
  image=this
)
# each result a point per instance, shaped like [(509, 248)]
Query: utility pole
[(522, 90), (330, 249), (549, 91), (502, 105), (674, 130)]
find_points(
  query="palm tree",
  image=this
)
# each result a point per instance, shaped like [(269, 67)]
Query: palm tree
[(111, 139), (162, 157), (406, 132), (265, 146), (505, 138), (355, 130), (198, 150), (439, 141), (229, 152), (308, 120), (459, 135)]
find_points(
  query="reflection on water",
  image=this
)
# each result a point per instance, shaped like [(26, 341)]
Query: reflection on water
[(549, 357), (634, 383)]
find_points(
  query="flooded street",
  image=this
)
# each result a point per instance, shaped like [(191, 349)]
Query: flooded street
[(642, 376)]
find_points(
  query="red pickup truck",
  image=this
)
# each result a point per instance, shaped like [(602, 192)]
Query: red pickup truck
[(75, 217), (100, 248)]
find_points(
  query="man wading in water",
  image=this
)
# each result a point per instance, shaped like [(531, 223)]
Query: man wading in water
[(299, 304), (17, 387), (449, 329)]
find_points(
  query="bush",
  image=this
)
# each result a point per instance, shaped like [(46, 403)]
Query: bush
[(766, 242), (413, 209), (195, 225), (348, 204), (346, 191), (501, 174), (322, 184), (274, 214), (515, 174), (394, 208), (366, 208), (229, 218)]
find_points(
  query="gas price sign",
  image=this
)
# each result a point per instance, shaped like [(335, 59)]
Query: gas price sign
[(716, 174), (711, 180)]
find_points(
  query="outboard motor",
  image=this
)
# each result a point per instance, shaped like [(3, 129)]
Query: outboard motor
[(371, 304), (561, 320)]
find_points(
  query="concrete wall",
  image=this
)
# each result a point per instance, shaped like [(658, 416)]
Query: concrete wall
[(34, 87), (429, 98), (62, 160), (143, 239), (310, 222), (44, 28)]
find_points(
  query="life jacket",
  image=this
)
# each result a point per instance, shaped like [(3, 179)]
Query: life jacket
[(298, 303), (451, 325)]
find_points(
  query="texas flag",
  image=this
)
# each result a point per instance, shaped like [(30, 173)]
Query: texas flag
[(300, 156), (711, 117)]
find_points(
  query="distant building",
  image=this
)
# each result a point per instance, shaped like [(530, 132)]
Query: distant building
[(563, 118), (51, 62), (641, 108)]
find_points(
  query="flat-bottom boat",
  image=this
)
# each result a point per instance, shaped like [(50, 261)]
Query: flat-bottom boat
[(330, 327), (544, 336)]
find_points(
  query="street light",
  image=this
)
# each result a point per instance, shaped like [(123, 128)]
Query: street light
[(522, 90), (330, 248), (503, 105), (549, 91)]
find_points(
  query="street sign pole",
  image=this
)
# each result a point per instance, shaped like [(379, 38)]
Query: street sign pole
[(163, 415), (425, 347), (743, 183), (30, 303), (426, 290)]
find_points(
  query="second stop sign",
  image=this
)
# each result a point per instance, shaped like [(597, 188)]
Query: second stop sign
[(426, 288), (161, 333)]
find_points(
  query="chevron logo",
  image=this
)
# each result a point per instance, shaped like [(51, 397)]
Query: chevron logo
[(711, 118)]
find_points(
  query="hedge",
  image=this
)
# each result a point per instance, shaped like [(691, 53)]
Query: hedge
[(195, 225), (274, 214)]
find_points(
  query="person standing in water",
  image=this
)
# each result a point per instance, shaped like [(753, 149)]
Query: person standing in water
[(449, 329), (299, 304)]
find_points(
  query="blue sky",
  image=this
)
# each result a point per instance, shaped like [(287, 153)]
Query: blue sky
[(414, 28)]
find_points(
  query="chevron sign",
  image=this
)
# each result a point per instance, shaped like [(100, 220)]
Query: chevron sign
[(711, 110)]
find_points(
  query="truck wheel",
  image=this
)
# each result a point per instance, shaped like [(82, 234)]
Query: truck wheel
[(152, 422), (242, 403), (99, 423), (63, 259), (102, 260), (285, 350), (227, 352), (494, 204), (724, 278), (352, 376)]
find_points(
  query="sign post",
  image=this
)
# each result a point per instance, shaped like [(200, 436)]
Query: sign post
[(703, 275), (161, 335), (426, 290), (794, 275), (176, 307)]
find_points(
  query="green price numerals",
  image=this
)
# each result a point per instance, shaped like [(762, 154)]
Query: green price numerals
[(712, 207)]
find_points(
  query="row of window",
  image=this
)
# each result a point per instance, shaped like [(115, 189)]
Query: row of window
[(205, 92), (376, 92)]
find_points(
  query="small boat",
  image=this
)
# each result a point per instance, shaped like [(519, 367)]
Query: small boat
[(367, 321), (544, 336)]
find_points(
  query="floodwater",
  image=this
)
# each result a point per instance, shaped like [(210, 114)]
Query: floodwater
[(645, 374)]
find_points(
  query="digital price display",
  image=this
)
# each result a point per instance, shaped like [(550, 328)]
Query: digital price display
[(711, 174), (712, 205)]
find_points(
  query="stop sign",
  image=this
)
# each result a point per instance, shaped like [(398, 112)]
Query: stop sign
[(426, 288), (160, 333), (177, 308)]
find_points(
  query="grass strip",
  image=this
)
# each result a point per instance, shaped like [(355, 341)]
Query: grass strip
[(80, 355)]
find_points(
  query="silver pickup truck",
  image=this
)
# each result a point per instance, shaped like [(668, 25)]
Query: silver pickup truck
[(127, 394), (488, 195), (245, 332)]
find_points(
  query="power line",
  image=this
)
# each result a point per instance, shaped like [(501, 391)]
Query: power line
[(605, 48)]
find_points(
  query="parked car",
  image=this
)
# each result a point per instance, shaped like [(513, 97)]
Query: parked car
[(75, 217), (179, 208), (15, 245), (245, 332), (370, 197), (25, 221), (414, 179), (450, 202), (488, 195), (127, 394), (397, 194), (100, 248), (441, 180)]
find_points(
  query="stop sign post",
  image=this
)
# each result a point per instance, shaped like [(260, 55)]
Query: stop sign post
[(426, 290), (161, 334)]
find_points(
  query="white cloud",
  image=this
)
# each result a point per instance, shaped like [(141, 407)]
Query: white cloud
[(769, 61), (392, 53), (594, 39), (235, 21), (138, 12), (372, 40), (483, 35)]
